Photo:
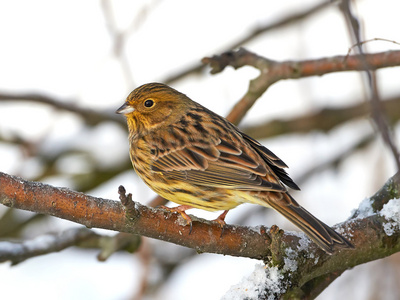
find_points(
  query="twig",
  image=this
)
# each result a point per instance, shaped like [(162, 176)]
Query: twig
[(119, 39), (11, 224), (91, 117), (376, 106), (368, 41), (146, 258), (253, 34), (120, 241)]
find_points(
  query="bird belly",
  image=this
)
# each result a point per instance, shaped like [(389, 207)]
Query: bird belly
[(202, 197)]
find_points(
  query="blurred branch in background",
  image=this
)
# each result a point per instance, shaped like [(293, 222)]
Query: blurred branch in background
[(323, 120), (120, 37), (17, 252), (11, 225), (254, 33), (90, 116), (378, 114), (272, 71), (44, 244)]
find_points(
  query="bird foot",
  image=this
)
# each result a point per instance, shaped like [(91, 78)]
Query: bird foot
[(221, 221), (182, 210)]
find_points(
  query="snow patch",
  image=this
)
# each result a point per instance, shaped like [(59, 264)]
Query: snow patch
[(290, 260), (391, 212), (304, 242), (267, 282), (365, 209)]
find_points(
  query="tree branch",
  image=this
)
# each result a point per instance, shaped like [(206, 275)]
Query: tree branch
[(272, 71), (138, 219), (376, 106), (322, 120), (18, 252), (368, 234), (91, 117), (253, 34)]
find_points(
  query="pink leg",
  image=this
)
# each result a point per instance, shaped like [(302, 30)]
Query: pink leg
[(221, 219), (182, 210)]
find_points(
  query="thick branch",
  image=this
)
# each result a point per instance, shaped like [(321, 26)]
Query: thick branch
[(278, 248), (155, 223), (164, 225)]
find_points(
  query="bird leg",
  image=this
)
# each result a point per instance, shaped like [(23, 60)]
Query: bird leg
[(221, 221), (182, 210)]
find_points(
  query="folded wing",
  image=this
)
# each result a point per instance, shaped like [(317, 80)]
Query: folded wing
[(233, 162)]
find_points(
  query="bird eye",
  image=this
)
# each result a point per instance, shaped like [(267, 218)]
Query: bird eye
[(149, 103)]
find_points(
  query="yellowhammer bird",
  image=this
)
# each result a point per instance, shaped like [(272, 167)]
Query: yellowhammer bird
[(194, 157)]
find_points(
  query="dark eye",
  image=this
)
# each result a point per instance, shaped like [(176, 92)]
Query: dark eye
[(149, 103)]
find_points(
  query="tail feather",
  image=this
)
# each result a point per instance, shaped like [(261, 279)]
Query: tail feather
[(324, 236)]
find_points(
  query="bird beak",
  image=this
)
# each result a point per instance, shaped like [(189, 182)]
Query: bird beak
[(125, 109)]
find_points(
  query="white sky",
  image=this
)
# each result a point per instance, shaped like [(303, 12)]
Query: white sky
[(63, 48)]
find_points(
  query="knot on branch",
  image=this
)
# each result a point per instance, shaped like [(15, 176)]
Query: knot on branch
[(276, 245), (130, 206), (234, 58)]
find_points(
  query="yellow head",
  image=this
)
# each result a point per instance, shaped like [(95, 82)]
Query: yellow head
[(152, 105)]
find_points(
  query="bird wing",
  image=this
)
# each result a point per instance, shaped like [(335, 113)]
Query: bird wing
[(232, 162)]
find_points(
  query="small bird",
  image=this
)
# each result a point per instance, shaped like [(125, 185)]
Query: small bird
[(198, 159)]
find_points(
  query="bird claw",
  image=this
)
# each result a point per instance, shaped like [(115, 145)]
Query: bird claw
[(221, 221), (181, 209)]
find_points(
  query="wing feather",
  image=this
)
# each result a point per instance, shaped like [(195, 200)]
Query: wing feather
[(230, 162)]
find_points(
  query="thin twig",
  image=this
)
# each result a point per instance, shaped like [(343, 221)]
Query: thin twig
[(253, 34), (376, 106), (368, 41)]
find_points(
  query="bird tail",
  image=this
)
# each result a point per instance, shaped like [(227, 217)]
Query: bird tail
[(324, 236)]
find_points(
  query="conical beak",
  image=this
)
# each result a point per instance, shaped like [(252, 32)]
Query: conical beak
[(125, 109)]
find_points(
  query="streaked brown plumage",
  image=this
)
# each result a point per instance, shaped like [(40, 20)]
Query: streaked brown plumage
[(194, 157)]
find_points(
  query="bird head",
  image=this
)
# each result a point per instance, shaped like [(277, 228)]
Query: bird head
[(152, 105)]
